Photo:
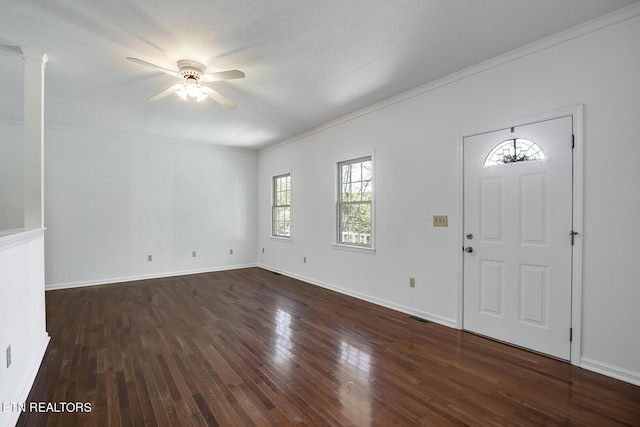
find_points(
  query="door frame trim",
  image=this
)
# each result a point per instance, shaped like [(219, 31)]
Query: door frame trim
[(576, 112)]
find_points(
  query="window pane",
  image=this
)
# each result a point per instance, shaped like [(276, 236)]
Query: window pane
[(356, 191), (355, 223), (367, 170), (356, 172)]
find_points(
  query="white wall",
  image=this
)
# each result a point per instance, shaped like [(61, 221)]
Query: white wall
[(22, 317), (11, 176), (112, 201), (417, 176)]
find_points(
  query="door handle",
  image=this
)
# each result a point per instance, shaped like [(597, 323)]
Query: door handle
[(468, 249)]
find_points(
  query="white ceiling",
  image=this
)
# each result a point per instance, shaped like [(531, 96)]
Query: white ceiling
[(306, 62)]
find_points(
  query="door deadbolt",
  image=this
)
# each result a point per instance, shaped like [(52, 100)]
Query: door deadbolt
[(469, 236), (468, 249)]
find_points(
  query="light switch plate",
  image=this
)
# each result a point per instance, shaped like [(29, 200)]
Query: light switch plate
[(440, 221)]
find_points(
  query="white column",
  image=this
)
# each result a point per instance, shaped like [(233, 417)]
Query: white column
[(34, 63)]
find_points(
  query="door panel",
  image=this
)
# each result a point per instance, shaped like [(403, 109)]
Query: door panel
[(517, 278), (532, 194), (533, 295), (491, 209), (491, 290)]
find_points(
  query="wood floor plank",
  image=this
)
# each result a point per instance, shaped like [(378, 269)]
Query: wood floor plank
[(249, 347)]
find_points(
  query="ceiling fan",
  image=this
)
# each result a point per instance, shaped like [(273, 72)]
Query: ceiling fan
[(192, 73)]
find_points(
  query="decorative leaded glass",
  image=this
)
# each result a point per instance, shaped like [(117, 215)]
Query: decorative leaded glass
[(512, 151)]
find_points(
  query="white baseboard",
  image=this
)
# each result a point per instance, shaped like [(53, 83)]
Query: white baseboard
[(374, 300), (611, 371), (9, 419), (112, 280)]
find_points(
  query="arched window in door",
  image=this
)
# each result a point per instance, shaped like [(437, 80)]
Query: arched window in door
[(513, 150)]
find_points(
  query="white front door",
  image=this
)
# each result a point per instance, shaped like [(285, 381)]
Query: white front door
[(518, 242)]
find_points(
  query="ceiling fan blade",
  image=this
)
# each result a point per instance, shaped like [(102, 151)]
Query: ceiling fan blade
[(222, 75), (168, 91), (157, 67), (219, 98)]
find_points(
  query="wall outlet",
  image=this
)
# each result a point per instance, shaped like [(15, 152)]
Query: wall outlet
[(440, 221), (193, 254), (149, 258), (230, 251), (8, 357), (412, 282)]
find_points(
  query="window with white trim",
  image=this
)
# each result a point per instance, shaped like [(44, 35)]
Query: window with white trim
[(281, 207), (355, 198)]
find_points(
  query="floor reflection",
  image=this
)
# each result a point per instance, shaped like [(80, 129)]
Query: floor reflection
[(355, 383), (282, 347), (355, 357)]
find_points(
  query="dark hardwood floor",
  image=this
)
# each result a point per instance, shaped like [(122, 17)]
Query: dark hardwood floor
[(250, 347)]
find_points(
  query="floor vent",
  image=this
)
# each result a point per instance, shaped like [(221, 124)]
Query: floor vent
[(419, 319)]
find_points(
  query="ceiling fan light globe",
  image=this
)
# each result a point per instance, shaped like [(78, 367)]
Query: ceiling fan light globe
[(182, 92), (193, 90)]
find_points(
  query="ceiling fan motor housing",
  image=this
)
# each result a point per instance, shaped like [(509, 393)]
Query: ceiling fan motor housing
[(190, 69)]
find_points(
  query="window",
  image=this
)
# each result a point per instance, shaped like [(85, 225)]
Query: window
[(281, 208), (512, 151), (355, 196)]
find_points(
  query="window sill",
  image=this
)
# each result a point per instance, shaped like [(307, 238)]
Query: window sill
[(281, 239), (349, 248)]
